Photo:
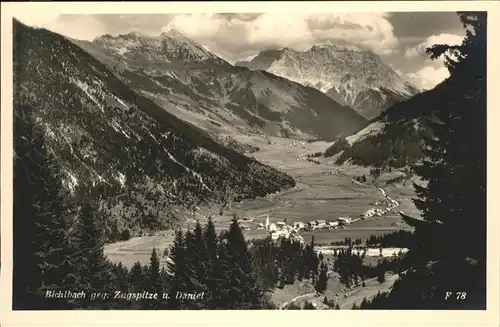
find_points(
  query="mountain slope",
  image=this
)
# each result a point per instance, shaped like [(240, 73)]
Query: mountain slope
[(350, 75), (197, 86), (395, 139), (145, 162)]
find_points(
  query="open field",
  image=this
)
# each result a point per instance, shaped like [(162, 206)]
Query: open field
[(319, 194)]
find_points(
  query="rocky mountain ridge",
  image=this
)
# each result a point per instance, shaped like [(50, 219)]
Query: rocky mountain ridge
[(349, 74), (190, 82)]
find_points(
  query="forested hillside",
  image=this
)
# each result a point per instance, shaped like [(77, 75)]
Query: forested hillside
[(142, 161)]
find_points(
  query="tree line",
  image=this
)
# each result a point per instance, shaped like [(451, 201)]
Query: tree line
[(400, 238)]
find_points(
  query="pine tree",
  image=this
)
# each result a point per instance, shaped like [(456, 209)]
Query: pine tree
[(211, 245), (137, 283), (177, 267), (154, 280), (454, 200), (243, 288), (27, 275), (322, 281), (311, 260), (93, 271), (117, 280), (183, 267), (136, 278), (40, 229), (210, 237), (197, 253)]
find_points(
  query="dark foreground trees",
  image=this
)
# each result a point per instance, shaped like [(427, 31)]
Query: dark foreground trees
[(449, 248), (41, 248), (58, 250)]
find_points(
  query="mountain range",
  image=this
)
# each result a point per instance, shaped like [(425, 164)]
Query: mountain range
[(349, 74), (192, 83), (149, 120), (147, 163)]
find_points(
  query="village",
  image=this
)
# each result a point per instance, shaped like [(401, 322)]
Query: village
[(292, 231)]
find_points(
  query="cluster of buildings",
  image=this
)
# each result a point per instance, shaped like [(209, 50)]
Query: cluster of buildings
[(282, 229), (323, 224), (378, 212)]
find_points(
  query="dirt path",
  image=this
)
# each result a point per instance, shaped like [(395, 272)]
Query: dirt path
[(300, 297)]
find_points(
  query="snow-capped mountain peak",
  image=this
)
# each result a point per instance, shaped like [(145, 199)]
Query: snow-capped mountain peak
[(173, 33), (169, 46), (350, 74)]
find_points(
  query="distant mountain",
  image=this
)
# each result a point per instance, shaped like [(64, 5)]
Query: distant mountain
[(190, 82), (395, 139), (145, 161), (349, 74)]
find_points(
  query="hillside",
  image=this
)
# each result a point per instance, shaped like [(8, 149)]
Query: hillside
[(197, 86), (351, 75), (394, 139), (147, 163)]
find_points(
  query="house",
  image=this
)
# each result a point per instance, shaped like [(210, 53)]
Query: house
[(280, 224), (280, 233), (299, 225), (344, 220), (333, 223), (320, 222), (368, 213), (312, 223), (272, 228)]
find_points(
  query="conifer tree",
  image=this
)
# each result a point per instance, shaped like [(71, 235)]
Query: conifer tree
[(136, 278), (136, 283), (322, 281), (27, 275), (40, 229), (92, 266), (199, 263), (122, 274), (154, 280), (244, 290), (454, 200), (179, 267), (212, 264)]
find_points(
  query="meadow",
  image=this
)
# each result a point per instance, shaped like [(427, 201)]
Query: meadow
[(319, 194)]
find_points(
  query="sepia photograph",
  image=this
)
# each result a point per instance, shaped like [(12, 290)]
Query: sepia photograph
[(249, 161)]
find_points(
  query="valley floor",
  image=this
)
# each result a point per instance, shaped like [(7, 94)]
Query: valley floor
[(319, 194)]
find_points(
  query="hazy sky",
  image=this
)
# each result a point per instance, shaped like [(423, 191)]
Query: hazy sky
[(399, 38)]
